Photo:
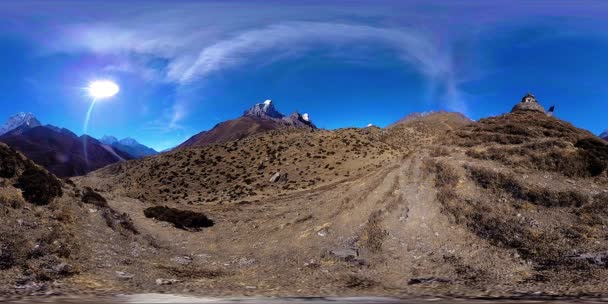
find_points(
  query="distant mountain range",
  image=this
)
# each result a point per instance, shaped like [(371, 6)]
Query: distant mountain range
[(129, 145), (60, 150), (262, 117), (604, 135)]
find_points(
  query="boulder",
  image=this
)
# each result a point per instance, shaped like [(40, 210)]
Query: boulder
[(347, 254), (278, 177)]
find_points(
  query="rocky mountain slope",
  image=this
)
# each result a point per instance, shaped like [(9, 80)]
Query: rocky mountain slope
[(509, 205), (50, 231), (129, 145), (262, 117), (61, 151)]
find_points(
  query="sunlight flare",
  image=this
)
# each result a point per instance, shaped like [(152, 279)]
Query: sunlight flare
[(102, 89)]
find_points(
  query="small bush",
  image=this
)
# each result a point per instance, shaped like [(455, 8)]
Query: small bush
[(182, 219), (13, 250), (39, 187), (500, 182), (595, 152), (445, 175), (91, 197), (11, 199)]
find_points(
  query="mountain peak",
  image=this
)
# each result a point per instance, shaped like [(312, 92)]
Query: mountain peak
[(265, 109), (604, 135), (129, 141), (19, 120), (108, 140)]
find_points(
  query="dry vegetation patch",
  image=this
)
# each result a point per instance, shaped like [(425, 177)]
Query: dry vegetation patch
[(182, 219)]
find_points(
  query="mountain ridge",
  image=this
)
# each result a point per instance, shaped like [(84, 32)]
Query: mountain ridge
[(129, 145), (260, 118), (57, 149)]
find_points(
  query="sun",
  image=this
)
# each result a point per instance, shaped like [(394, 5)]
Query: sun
[(101, 89)]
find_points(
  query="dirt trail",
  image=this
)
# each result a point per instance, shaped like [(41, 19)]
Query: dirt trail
[(282, 245)]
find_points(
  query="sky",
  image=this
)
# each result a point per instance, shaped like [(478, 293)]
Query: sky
[(184, 66)]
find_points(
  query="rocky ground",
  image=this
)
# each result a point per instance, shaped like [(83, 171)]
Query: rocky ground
[(512, 205)]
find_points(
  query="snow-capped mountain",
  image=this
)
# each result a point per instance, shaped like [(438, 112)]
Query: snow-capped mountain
[(261, 117), (265, 109), (20, 120), (108, 140), (604, 135), (129, 145)]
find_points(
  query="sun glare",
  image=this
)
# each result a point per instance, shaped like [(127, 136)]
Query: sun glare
[(102, 89)]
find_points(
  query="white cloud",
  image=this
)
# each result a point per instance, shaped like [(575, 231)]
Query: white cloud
[(194, 54)]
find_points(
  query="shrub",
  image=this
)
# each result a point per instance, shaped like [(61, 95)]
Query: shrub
[(445, 175), (500, 182), (182, 219), (91, 197), (11, 199), (13, 250), (39, 187), (595, 152)]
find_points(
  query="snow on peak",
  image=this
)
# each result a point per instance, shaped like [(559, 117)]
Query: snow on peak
[(108, 140), (305, 117), (19, 120), (264, 109), (129, 141)]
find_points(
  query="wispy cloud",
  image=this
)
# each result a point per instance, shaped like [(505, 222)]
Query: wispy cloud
[(196, 39), (191, 60)]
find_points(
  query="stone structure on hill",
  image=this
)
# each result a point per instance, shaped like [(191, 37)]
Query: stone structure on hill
[(528, 103)]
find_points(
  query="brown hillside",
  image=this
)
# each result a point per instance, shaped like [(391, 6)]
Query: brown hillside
[(241, 170), (505, 206), (260, 118), (232, 130)]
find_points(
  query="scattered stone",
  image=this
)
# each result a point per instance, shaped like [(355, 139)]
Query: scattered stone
[(182, 260), (30, 285), (598, 258), (124, 275), (345, 254), (429, 280), (167, 281)]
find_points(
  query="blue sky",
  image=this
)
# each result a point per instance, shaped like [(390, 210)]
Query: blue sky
[(184, 66)]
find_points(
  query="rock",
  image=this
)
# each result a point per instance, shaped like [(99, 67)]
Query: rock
[(598, 258), (278, 177), (167, 281), (124, 275), (182, 260), (245, 261), (275, 177), (429, 280), (348, 254)]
